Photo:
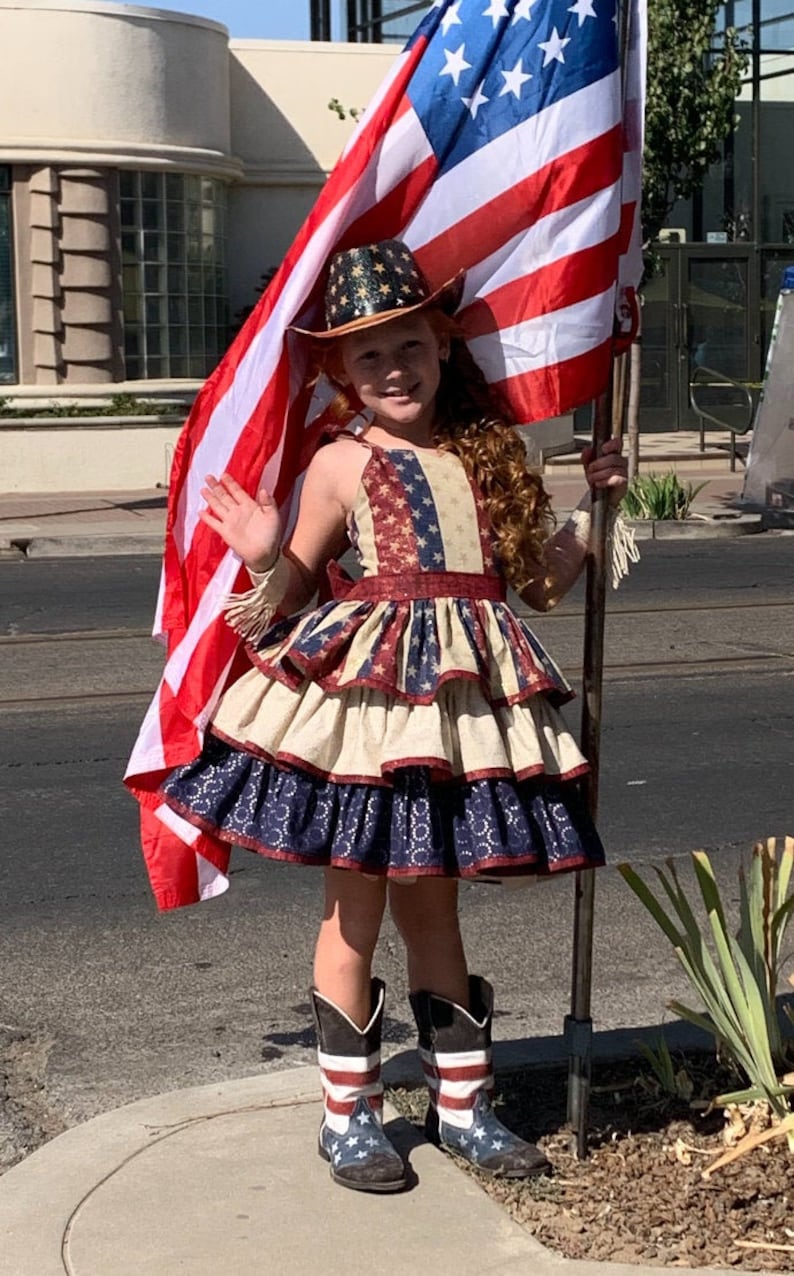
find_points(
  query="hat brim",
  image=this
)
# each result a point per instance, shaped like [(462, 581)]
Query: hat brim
[(447, 298)]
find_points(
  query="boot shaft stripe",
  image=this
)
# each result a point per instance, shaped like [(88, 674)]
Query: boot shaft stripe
[(460, 1103), (352, 1080), (346, 1107), (354, 1064), (476, 1072)]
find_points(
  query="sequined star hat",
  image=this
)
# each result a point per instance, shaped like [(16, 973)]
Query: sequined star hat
[(377, 282)]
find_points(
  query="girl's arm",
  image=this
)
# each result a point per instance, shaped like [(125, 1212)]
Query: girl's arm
[(566, 550), (252, 528)]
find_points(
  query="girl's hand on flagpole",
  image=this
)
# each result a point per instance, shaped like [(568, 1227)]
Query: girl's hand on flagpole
[(609, 470), (252, 528)]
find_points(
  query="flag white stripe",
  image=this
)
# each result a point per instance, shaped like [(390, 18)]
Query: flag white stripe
[(374, 103), (534, 344), (563, 233), (458, 193)]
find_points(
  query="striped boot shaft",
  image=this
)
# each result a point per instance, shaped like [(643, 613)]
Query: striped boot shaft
[(454, 1079), (351, 1136), (455, 1049)]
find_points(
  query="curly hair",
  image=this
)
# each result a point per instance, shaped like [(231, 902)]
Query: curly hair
[(473, 423)]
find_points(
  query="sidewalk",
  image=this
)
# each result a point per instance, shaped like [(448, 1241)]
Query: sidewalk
[(59, 525), (224, 1180)]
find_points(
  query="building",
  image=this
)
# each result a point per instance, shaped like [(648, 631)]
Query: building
[(148, 179)]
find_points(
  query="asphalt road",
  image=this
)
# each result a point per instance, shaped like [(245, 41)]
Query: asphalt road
[(103, 1000)]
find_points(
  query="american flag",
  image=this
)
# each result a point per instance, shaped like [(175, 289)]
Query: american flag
[(496, 143)]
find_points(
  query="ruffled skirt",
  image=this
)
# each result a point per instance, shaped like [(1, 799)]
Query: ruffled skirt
[(397, 739)]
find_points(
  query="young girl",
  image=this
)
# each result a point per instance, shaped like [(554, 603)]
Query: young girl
[(404, 734)]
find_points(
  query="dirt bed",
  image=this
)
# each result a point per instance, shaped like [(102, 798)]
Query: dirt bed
[(640, 1196)]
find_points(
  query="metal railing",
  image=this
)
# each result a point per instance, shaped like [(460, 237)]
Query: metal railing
[(719, 400)]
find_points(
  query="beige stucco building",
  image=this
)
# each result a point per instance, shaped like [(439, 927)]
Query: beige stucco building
[(151, 169)]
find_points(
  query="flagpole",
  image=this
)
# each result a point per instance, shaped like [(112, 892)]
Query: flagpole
[(578, 1030), (579, 1024)]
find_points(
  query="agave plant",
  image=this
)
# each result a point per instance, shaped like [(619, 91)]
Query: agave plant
[(737, 982), (659, 496)]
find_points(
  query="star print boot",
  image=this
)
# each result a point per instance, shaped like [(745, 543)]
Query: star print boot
[(351, 1134), (455, 1048)]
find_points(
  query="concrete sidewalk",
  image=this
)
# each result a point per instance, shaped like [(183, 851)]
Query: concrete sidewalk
[(69, 524), (225, 1179)]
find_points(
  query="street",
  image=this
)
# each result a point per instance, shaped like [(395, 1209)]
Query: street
[(103, 1000)]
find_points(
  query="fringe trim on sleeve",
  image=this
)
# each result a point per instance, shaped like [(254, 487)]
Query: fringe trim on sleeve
[(621, 548), (250, 614)]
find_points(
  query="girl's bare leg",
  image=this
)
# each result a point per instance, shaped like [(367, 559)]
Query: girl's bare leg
[(349, 931), (426, 915)]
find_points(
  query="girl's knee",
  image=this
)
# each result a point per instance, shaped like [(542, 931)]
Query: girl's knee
[(427, 908), (354, 907)]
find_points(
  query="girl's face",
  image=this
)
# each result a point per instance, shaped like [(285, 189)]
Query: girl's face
[(395, 370)]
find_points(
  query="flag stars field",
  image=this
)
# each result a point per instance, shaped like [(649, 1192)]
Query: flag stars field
[(583, 9), (474, 103), (451, 17), (553, 47), (456, 64), (496, 10), (513, 80)]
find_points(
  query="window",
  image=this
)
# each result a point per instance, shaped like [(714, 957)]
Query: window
[(376, 21), (173, 251), (8, 335)]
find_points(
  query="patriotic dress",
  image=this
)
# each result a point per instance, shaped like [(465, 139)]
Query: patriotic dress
[(409, 726)]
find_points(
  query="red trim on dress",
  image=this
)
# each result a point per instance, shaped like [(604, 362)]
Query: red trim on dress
[(441, 772), (414, 585), (516, 866)]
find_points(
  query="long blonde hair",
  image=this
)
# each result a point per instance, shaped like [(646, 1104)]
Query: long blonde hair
[(472, 423)]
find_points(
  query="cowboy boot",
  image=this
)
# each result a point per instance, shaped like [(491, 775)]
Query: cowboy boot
[(455, 1049), (351, 1134)]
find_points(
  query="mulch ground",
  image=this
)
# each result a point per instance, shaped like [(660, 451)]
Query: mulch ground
[(640, 1196)]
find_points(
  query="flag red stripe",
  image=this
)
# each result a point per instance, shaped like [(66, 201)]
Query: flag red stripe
[(562, 283), (569, 178), (555, 389), (386, 219)]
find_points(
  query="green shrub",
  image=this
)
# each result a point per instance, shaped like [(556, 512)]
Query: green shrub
[(659, 496), (738, 986)]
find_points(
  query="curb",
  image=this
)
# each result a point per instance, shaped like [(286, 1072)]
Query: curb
[(79, 545), (702, 527), (107, 543)]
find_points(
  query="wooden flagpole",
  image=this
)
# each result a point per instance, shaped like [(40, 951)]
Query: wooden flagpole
[(578, 1023)]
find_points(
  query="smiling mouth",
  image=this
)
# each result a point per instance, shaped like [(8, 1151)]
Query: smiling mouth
[(400, 394)]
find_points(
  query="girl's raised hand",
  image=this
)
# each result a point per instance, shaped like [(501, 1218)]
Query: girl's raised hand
[(252, 528), (609, 470)]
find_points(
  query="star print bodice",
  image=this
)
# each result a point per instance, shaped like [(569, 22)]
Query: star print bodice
[(419, 512), (429, 608)]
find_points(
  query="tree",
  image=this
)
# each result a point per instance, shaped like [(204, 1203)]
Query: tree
[(694, 77)]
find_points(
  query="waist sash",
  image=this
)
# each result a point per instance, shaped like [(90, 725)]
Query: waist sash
[(408, 586)]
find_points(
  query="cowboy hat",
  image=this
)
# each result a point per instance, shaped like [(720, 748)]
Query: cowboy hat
[(377, 282)]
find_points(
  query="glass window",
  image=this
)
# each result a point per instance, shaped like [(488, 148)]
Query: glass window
[(379, 21), (8, 325), (173, 274)]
